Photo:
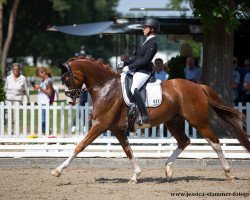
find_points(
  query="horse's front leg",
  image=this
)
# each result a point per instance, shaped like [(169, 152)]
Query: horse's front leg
[(121, 136), (93, 133)]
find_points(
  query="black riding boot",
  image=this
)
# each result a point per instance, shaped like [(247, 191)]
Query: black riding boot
[(141, 106)]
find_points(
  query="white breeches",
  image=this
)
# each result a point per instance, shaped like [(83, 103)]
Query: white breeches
[(138, 80)]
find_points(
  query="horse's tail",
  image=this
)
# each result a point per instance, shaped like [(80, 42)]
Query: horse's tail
[(230, 116)]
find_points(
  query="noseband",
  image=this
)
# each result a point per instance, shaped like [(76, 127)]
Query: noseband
[(75, 92)]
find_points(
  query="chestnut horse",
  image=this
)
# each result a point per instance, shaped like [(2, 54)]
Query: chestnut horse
[(182, 100)]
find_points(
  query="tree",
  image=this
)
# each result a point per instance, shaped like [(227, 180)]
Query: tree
[(219, 19), (35, 16), (11, 24)]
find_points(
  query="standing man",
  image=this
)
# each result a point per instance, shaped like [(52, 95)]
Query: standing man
[(192, 73), (159, 70)]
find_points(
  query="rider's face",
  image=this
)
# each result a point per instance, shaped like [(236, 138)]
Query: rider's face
[(146, 30)]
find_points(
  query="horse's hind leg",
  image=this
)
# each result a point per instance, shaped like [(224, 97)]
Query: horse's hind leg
[(177, 130), (208, 134), (121, 136)]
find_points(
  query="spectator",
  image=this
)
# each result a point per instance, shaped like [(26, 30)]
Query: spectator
[(236, 81), (159, 70), (243, 71), (45, 90), (82, 51), (192, 73), (246, 84), (15, 86)]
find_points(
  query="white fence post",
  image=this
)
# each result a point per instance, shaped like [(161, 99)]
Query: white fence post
[(62, 127), (25, 124), (39, 120), (9, 119), (16, 116), (54, 122), (76, 119), (47, 126), (32, 118), (69, 120)]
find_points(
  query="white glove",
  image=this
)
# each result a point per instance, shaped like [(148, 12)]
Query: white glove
[(120, 65), (125, 69)]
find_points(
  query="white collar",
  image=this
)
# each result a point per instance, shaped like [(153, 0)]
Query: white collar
[(148, 38)]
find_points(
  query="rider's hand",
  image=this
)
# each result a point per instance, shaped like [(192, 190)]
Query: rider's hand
[(125, 69), (120, 65)]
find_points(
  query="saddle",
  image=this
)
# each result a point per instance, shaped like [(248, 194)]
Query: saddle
[(151, 93)]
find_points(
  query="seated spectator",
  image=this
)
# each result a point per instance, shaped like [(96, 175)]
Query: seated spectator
[(159, 70), (246, 84), (243, 71), (236, 81), (82, 51), (192, 73)]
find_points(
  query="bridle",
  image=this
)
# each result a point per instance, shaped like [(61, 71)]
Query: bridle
[(75, 92)]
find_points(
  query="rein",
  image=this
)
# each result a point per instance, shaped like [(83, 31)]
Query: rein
[(98, 84)]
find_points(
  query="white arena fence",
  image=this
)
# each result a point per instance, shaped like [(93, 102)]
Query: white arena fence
[(18, 122)]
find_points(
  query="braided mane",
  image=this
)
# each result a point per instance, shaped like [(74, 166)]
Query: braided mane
[(82, 58)]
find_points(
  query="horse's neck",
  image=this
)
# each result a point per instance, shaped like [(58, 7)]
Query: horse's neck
[(103, 90), (97, 76)]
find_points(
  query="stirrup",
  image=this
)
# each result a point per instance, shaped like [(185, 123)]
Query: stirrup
[(143, 120)]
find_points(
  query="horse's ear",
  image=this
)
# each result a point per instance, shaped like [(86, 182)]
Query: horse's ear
[(61, 66)]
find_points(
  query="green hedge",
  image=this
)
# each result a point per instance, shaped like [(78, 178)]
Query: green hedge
[(31, 71)]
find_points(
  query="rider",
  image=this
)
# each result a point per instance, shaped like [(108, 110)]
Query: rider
[(141, 67)]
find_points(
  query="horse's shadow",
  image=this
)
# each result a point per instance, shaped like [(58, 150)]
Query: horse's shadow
[(165, 180)]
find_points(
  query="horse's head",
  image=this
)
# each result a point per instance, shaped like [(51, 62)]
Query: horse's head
[(71, 81)]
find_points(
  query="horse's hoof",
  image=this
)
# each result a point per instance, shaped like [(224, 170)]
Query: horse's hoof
[(132, 181), (169, 173), (230, 179), (56, 173)]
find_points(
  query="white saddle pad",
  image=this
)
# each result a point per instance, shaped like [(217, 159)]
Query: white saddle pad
[(153, 93)]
